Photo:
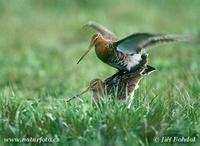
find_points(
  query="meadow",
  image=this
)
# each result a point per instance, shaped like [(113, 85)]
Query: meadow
[(40, 43)]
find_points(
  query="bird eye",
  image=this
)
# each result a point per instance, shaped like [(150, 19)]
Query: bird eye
[(96, 38)]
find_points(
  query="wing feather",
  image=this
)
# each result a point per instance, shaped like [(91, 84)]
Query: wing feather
[(102, 30), (135, 43)]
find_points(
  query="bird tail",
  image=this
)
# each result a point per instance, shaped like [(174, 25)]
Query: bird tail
[(149, 69)]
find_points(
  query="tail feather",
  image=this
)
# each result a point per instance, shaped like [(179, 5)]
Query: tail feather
[(149, 69)]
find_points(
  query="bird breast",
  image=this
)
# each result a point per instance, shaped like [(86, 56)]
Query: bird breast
[(133, 60), (103, 51)]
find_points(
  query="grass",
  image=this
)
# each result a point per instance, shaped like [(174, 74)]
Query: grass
[(40, 42)]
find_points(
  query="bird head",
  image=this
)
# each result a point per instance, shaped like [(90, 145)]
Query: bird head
[(93, 41), (96, 85)]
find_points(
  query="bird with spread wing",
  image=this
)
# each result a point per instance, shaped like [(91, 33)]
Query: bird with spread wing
[(125, 54)]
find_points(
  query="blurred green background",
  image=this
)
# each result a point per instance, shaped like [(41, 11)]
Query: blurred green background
[(41, 41)]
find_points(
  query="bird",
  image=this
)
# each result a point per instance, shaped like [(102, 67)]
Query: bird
[(125, 54), (96, 86), (120, 85), (123, 84)]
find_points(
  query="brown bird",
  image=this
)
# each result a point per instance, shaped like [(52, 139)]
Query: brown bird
[(96, 86), (125, 54), (122, 84), (119, 85)]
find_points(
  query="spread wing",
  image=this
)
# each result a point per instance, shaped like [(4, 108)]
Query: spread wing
[(135, 43), (102, 30)]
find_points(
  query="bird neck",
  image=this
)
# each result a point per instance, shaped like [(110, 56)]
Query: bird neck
[(102, 49), (98, 92)]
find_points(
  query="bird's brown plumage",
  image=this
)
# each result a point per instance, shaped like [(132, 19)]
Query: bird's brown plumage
[(121, 84), (126, 53)]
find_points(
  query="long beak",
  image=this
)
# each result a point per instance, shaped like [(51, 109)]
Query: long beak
[(90, 47), (83, 92), (86, 90)]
